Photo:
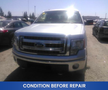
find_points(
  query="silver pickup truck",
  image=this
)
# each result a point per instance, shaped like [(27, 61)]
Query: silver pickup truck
[(57, 37)]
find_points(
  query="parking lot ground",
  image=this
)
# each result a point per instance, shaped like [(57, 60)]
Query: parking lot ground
[(97, 65)]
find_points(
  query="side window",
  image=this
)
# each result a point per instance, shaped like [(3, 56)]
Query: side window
[(101, 23), (24, 24), (98, 23), (105, 24), (42, 17), (17, 25), (10, 26)]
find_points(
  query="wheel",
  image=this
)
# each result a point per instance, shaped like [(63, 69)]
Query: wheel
[(22, 64), (12, 41), (98, 36), (83, 70), (93, 33)]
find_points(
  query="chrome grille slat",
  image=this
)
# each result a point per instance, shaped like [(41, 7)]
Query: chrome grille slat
[(41, 38), (46, 49), (54, 45), (41, 52), (43, 41), (46, 45)]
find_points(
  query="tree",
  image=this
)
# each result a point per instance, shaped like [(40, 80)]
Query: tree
[(33, 16), (5, 16), (1, 12), (9, 14), (25, 15), (30, 16)]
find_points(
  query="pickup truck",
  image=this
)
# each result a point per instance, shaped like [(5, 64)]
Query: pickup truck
[(100, 29), (57, 37)]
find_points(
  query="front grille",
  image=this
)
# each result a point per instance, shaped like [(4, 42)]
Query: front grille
[(46, 45), (49, 45)]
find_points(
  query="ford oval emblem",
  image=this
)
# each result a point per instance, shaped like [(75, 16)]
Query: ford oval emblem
[(39, 45)]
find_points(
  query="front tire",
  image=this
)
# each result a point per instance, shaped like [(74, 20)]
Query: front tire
[(83, 70), (98, 36), (23, 64), (93, 33), (12, 41)]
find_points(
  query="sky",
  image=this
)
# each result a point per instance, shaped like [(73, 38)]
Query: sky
[(86, 7)]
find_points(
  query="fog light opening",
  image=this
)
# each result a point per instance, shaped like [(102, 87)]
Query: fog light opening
[(75, 66), (15, 59)]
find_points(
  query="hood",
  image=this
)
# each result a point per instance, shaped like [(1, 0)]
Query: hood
[(67, 29)]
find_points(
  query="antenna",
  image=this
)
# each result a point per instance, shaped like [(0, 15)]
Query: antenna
[(105, 15), (28, 7), (35, 10), (95, 13)]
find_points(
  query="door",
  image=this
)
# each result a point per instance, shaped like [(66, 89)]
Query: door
[(12, 28), (97, 27), (24, 24), (17, 25)]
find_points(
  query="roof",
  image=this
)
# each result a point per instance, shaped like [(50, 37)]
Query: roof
[(59, 10), (6, 20), (17, 16), (106, 19), (10, 20)]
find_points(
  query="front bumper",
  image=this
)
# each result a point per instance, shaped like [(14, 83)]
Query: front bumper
[(104, 35), (70, 61)]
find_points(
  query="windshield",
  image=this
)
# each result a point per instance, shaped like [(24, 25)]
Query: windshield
[(3, 23), (59, 17), (106, 23)]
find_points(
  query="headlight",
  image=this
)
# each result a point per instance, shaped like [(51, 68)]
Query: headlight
[(15, 42), (76, 45)]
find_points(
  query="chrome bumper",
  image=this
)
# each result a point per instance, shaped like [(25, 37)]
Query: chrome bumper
[(57, 60)]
